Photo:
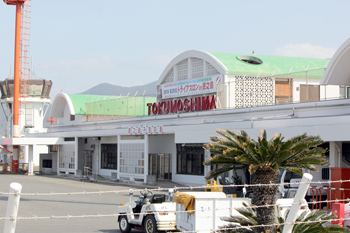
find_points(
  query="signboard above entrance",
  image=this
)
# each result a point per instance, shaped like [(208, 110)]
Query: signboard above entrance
[(145, 130), (188, 87)]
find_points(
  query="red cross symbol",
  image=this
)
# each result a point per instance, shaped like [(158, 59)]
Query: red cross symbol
[(51, 119)]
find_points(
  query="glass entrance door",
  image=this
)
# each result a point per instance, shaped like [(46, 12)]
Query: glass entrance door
[(160, 166)]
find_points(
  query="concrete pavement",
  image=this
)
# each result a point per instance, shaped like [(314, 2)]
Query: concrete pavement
[(54, 206)]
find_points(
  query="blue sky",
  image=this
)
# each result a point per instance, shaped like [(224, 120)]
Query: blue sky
[(78, 44)]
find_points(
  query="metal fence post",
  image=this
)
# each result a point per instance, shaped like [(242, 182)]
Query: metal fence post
[(12, 207), (144, 104), (299, 197), (135, 103)]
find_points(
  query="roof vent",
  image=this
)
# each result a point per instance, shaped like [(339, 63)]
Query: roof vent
[(250, 60)]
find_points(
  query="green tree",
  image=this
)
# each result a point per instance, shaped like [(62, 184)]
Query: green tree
[(307, 222), (264, 158)]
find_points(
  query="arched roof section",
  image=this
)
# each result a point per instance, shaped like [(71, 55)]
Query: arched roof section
[(338, 71), (59, 104), (196, 54), (191, 65)]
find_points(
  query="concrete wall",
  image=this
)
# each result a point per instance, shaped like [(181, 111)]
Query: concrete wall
[(162, 144), (37, 150)]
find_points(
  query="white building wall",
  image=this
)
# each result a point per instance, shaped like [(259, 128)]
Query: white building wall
[(335, 154), (38, 115), (37, 150), (329, 92), (296, 86), (162, 144), (78, 119), (66, 116)]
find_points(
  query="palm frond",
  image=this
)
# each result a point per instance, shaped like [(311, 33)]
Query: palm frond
[(306, 222)]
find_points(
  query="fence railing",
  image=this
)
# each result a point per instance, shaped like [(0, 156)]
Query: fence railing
[(15, 194)]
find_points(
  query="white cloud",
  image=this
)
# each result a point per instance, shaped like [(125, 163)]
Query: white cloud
[(305, 50)]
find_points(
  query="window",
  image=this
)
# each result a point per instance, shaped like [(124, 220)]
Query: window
[(72, 117), (190, 159), (325, 173), (53, 148), (344, 92), (47, 163), (69, 139), (109, 156)]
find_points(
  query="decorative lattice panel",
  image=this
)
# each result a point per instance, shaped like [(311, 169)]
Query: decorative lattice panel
[(197, 68), (211, 69), (170, 76), (66, 156), (182, 70), (253, 91), (132, 159)]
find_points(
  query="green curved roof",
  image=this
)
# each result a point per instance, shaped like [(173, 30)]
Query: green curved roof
[(110, 105), (272, 64)]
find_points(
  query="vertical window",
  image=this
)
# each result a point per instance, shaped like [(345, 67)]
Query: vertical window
[(190, 159), (53, 148), (109, 156)]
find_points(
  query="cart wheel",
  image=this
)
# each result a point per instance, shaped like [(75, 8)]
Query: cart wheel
[(149, 226), (124, 225)]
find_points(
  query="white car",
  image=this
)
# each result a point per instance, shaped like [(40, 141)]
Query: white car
[(151, 213)]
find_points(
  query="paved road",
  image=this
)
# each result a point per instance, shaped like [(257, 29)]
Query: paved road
[(63, 205)]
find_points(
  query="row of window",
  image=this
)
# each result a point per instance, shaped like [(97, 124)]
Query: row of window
[(190, 158)]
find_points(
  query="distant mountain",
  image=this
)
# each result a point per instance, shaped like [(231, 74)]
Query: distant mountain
[(106, 89), (109, 89)]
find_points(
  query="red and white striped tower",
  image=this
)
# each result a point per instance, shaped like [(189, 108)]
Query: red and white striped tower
[(16, 130)]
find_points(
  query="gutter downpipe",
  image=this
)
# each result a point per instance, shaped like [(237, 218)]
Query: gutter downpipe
[(289, 92), (307, 91), (135, 102), (144, 103)]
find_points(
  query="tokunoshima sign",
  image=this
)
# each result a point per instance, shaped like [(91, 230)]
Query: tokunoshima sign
[(194, 104)]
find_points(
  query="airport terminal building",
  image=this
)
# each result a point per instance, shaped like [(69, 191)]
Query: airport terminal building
[(145, 138)]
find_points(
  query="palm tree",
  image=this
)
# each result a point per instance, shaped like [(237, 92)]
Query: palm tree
[(263, 159), (307, 222)]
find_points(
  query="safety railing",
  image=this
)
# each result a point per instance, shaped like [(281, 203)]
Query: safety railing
[(15, 194)]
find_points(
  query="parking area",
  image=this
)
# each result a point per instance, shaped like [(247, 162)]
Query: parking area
[(64, 205)]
